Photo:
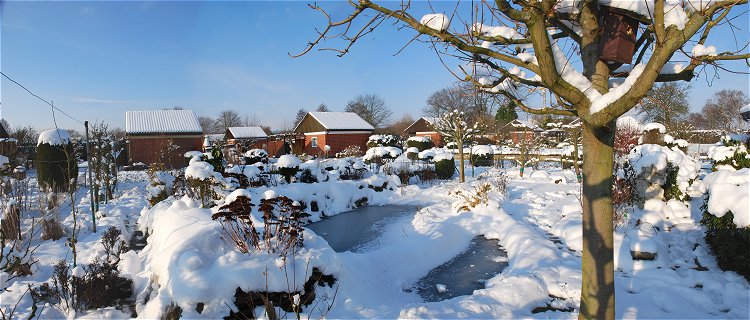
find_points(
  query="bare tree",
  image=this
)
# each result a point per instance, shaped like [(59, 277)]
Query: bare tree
[(252, 120), (722, 111), (511, 47), (372, 108), (226, 119), (463, 97), (399, 125), (208, 124), (322, 108), (666, 103)]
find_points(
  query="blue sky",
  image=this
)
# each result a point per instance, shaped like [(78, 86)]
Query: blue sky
[(96, 60)]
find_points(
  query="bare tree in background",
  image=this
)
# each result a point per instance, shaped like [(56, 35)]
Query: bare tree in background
[(509, 48), (208, 124), (372, 108), (228, 118), (666, 103), (322, 108), (463, 97), (722, 111)]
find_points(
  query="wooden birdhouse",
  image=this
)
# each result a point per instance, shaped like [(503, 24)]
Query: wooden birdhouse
[(617, 35)]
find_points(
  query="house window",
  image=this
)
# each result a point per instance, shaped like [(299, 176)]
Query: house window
[(314, 142)]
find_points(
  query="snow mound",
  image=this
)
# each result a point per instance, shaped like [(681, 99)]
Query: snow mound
[(55, 137), (419, 139), (442, 156), (728, 190), (482, 150), (199, 170), (655, 126), (288, 161)]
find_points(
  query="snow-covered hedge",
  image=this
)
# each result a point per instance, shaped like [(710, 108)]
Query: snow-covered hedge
[(669, 168), (373, 154)]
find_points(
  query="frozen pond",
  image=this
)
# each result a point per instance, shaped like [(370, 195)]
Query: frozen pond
[(466, 272), (357, 229)]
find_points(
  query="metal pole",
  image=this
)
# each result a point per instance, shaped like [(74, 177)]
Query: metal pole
[(91, 179)]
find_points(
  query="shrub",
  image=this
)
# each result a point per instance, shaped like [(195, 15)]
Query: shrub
[(307, 176), (57, 169), (288, 173), (282, 220), (445, 168), (350, 151), (671, 190), (727, 242), (421, 144), (217, 159), (384, 140), (256, 155), (482, 160)]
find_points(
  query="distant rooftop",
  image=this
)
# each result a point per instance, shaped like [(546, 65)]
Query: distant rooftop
[(341, 121), (161, 121), (247, 132)]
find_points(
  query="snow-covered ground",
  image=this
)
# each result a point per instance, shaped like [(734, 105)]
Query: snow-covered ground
[(189, 260)]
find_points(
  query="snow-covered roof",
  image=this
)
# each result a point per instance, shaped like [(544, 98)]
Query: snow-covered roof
[(247, 132), (341, 121), (161, 121), (745, 109)]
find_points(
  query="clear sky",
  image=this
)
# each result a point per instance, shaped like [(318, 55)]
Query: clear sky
[(96, 60)]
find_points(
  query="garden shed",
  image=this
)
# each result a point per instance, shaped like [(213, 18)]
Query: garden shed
[(337, 130), (425, 127), (247, 137), (162, 136)]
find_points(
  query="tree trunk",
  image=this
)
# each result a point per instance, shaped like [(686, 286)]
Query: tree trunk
[(460, 146), (598, 291), (576, 166)]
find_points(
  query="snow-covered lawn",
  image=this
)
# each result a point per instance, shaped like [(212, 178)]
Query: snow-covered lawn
[(189, 259)]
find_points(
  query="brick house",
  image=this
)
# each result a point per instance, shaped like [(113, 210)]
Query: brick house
[(246, 137), (424, 127), (151, 133), (337, 130), (520, 131)]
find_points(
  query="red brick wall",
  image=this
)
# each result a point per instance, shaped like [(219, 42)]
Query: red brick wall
[(146, 149), (436, 138), (337, 142)]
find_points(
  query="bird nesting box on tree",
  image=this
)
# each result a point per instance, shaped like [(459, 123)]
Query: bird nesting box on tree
[(617, 35)]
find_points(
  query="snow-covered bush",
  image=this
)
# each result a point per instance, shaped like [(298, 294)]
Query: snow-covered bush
[(311, 172), (160, 185), (383, 140), (412, 153), (288, 165), (350, 151), (732, 152), (379, 154), (662, 172), (444, 165), (256, 155), (56, 165), (726, 215), (200, 181), (482, 156), (93, 286), (420, 142)]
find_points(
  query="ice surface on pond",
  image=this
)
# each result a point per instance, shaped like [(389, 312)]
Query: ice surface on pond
[(357, 229), (466, 272)]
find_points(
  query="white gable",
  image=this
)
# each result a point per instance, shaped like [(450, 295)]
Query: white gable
[(341, 121), (247, 132), (161, 121)]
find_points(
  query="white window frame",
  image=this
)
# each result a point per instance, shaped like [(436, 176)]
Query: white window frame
[(314, 142)]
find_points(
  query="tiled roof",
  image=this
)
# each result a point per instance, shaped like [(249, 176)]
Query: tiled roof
[(161, 121), (341, 121), (247, 132)]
